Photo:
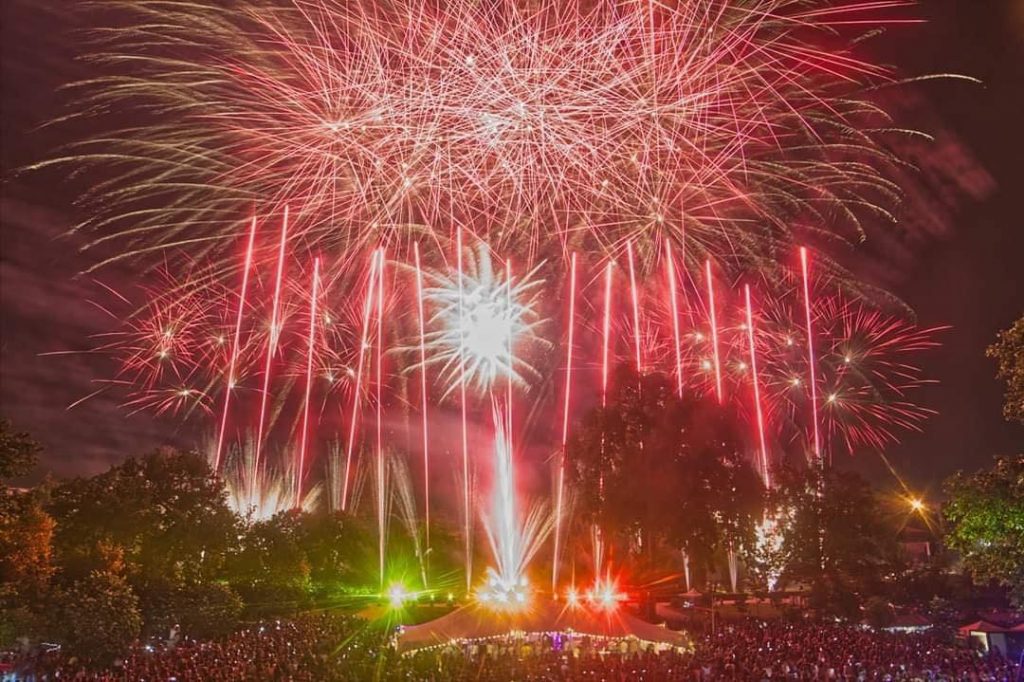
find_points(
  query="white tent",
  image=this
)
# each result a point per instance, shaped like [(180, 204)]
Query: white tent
[(476, 622)]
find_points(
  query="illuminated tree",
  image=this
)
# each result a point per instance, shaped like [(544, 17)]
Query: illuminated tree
[(97, 617), (986, 523), (26, 564)]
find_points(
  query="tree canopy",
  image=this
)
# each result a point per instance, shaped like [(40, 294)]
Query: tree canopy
[(164, 515), (663, 470), (834, 537), (986, 522), (18, 451), (1008, 351)]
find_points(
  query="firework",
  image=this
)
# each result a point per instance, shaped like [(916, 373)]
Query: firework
[(670, 273), (476, 314), (531, 124), (713, 321), (273, 491)]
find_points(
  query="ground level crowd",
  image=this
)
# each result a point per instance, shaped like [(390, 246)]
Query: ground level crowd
[(343, 648)]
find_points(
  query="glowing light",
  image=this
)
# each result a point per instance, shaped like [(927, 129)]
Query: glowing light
[(398, 595), (605, 595), (917, 504)]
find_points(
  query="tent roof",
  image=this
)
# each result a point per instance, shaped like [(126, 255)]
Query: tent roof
[(981, 626), (474, 621), (910, 620)]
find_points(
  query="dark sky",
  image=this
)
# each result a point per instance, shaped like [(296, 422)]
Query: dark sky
[(963, 264)]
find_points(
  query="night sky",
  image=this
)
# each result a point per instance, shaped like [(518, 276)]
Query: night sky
[(959, 260)]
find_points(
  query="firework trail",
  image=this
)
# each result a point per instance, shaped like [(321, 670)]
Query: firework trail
[(606, 331), (381, 468), (713, 321), (236, 343), (467, 529), (756, 384), (376, 266), (313, 293), (670, 273), (272, 338), (804, 268), (514, 538), (423, 394), (560, 482)]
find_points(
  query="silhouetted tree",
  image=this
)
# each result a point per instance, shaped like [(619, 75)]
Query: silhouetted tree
[(18, 451), (834, 537), (1008, 351), (653, 469)]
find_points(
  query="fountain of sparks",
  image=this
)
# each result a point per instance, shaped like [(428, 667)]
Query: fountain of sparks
[(514, 538), (260, 493)]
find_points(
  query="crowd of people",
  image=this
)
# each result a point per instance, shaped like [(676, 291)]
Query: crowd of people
[(342, 648)]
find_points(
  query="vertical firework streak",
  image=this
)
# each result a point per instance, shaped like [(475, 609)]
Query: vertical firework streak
[(301, 468), (757, 390), (804, 270), (511, 355), (635, 298), (671, 274), (712, 317), (606, 332), (381, 483), (272, 339), (423, 394), (354, 418), (229, 387), (560, 491), (462, 405)]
